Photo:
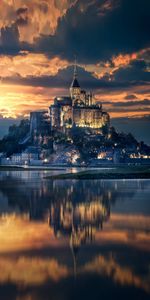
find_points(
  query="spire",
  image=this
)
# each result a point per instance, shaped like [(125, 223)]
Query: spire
[(75, 68), (75, 83)]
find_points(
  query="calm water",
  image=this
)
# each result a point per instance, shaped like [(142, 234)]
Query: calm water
[(73, 239)]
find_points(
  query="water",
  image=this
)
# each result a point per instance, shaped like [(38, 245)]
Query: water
[(72, 239)]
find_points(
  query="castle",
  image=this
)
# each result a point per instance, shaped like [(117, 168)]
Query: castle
[(78, 110)]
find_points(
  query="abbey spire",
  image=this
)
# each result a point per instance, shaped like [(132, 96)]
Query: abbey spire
[(75, 87)]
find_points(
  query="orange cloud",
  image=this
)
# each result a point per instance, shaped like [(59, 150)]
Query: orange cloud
[(108, 98), (31, 64), (47, 11), (123, 60), (23, 99), (107, 68)]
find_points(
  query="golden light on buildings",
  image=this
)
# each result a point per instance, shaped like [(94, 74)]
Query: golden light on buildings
[(101, 155)]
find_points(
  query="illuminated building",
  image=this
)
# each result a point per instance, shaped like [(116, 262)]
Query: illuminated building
[(78, 110), (61, 112)]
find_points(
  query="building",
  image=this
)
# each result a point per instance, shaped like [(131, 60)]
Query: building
[(78, 109), (31, 154), (61, 113)]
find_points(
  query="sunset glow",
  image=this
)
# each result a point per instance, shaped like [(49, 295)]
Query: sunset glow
[(35, 62)]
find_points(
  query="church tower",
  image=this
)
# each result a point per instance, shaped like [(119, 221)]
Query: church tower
[(75, 89)]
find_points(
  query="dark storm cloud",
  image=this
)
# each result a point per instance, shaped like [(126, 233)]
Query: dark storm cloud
[(129, 109), (135, 71), (130, 97), (94, 30), (145, 102), (64, 78), (9, 40), (9, 35), (22, 16), (21, 10), (124, 29)]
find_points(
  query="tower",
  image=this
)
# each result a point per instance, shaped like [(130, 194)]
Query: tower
[(75, 89)]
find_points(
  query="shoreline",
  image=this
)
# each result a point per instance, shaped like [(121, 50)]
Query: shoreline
[(98, 176), (31, 168), (120, 172), (117, 173)]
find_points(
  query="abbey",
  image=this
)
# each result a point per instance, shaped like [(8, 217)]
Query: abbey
[(79, 110)]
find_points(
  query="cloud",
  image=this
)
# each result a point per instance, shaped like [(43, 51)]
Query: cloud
[(54, 74), (118, 28), (22, 16), (137, 70), (97, 38), (18, 96), (130, 97), (40, 77), (26, 16), (141, 103), (9, 40), (39, 38), (27, 64), (123, 60)]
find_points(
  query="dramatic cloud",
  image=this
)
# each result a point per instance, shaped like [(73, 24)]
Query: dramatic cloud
[(135, 71), (38, 40), (130, 97), (33, 18), (9, 40), (30, 64), (23, 99), (122, 30), (144, 102)]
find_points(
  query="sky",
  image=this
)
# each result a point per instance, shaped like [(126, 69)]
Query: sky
[(38, 42)]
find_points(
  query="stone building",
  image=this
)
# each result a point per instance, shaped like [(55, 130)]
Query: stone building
[(76, 110), (79, 109)]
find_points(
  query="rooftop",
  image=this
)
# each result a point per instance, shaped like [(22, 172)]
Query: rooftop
[(75, 83)]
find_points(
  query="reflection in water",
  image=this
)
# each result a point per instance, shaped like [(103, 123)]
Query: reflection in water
[(78, 221), (104, 224)]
